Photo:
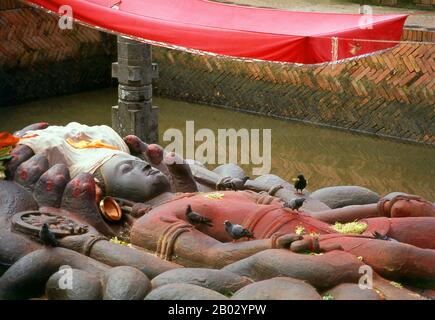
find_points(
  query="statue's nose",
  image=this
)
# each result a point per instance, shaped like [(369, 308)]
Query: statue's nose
[(147, 167)]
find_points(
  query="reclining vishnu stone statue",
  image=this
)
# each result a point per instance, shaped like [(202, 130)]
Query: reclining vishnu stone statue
[(66, 171)]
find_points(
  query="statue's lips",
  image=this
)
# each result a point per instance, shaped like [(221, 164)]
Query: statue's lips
[(152, 172)]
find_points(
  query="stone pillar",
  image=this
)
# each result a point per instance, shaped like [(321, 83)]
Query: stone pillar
[(135, 71)]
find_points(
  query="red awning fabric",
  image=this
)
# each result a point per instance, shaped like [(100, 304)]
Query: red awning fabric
[(237, 31)]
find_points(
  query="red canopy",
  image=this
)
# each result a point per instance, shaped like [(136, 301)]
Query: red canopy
[(266, 34)]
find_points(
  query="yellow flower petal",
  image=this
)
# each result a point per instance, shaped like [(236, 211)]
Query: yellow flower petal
[(215, 195), (351, 227)]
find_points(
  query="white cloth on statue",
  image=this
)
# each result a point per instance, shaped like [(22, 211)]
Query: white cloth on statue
[(52, 142)]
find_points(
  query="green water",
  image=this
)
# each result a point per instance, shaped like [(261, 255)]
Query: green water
[(326, 157)]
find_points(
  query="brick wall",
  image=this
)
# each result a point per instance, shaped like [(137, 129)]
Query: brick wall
[(382, 2), (38, 59), (418, 35), (388, 94), (429, 4)]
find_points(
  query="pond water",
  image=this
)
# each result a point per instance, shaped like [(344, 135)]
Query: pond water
[(326, 157)]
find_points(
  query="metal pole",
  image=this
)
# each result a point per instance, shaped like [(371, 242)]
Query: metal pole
[(135, 71)]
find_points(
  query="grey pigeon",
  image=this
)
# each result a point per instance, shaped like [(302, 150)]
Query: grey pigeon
[(196, 218), (295, 204), (236, 231), (47, 237)]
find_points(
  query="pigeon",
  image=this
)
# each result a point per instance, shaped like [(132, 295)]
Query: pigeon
[(47, 237), (300, 183), (295, 204), (196, 218), (379, 236), (236, 231), (236, 186)]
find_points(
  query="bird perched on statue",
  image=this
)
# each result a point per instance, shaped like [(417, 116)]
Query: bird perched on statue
[(300, 183), (195, 218), (295, 204), (47, 237), (236, 231)]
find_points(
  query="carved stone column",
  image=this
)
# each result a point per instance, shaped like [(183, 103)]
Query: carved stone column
[(135, 71)]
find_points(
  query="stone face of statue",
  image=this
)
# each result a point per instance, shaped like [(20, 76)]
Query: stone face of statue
[(129, 177)]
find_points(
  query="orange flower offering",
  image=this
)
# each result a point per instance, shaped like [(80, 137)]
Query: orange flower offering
[(7, 139), (85, 144)]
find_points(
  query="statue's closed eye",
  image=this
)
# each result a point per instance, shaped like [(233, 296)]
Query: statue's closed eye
[(126, 168)]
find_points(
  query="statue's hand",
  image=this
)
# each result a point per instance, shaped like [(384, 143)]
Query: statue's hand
[(135, 209), (32, 127), (284, 242), (136, 145), (231, 184), (140, 209)]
